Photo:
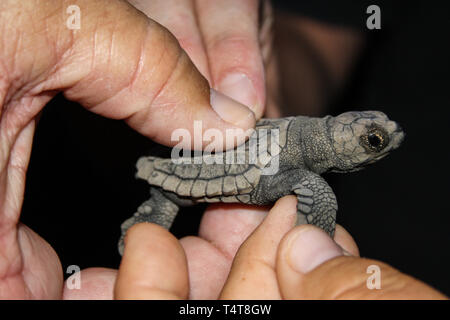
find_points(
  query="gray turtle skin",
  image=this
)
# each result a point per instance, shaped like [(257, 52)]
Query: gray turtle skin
[(303, 148)]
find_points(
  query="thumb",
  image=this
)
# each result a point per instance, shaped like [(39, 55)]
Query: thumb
[(141, 74), (121, 65), (310, 265)]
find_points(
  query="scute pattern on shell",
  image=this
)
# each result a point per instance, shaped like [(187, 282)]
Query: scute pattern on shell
[(208, 185), (220, 182)]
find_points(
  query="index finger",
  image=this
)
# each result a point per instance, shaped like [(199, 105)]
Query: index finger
[(231, 34)]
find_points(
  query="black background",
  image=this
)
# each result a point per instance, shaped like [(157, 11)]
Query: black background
[(81, 183)]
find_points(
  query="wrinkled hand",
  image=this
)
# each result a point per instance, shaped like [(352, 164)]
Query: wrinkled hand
[(230, 42), (120, 65), (276, 261)]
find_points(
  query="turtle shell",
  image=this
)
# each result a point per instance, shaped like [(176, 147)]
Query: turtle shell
[(224, 176)]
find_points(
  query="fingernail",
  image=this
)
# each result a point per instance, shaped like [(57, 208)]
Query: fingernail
[(239, 87), (231, 111), (310, 248)]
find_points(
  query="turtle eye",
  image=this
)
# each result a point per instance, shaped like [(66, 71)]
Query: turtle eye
[(375, 140)]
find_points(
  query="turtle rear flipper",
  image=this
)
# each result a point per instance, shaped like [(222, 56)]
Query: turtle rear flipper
[(158, 209)]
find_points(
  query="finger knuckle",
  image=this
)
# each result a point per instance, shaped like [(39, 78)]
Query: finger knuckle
[(241, 43)]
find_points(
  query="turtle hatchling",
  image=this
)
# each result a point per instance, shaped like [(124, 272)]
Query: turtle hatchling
[(281, 157)]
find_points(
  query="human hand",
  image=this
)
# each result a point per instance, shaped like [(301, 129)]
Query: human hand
[(230, 42), (120, 65), (275, 262)]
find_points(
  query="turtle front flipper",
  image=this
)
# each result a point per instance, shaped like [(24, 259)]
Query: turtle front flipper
[(317, 203), (158, 209)]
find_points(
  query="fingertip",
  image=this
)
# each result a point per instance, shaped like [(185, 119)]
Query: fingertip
[(238, 86), (94, 284), (201, 118), (153, 265), (140, 234), (286, 206), (300, 251), (307, 247), (239, 120)]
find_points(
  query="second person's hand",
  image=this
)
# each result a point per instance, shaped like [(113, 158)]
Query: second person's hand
[(275, 262)]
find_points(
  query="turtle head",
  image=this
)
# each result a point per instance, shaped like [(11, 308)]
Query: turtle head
[(361, 138)]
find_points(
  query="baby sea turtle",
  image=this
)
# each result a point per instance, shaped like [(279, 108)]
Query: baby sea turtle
[(282, 156)]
